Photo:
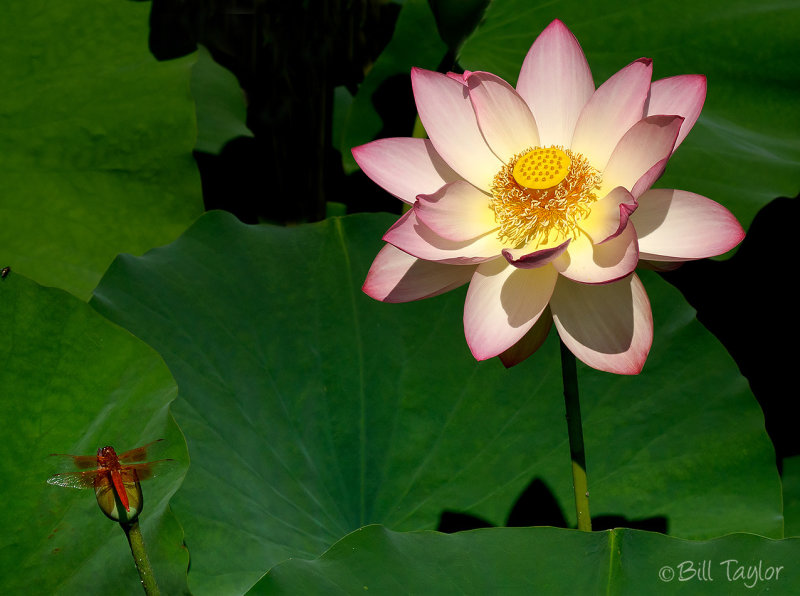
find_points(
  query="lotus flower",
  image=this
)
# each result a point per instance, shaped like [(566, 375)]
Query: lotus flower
[(540, 198)]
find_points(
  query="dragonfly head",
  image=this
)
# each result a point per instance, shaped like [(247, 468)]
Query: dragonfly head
[(107, 451)]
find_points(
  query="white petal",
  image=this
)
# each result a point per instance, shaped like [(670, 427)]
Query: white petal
[(556, 82), (414, 237), (405, 167), (502, 304), (617, 105), (447, 115), (647, 179), (643, 147), (396, 276), (675, 225), (682, 95), (526, 258), (609, 215), (590, 263), (607, 326), (530, 342), (503, 116), (457, 211)]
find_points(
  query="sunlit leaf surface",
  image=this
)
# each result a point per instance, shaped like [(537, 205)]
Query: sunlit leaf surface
[(95, 140), (311, 410)]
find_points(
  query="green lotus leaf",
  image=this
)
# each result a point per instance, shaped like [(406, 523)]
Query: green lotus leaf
[(221, 111), (96, 140), (72, 382), (311, 410), (540, 561), (791, 495)]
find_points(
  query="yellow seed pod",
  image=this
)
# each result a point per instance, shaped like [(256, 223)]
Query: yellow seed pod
[(541, 168)]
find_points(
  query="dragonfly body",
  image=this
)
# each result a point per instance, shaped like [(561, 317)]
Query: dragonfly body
[(111, 476), (107, 458)]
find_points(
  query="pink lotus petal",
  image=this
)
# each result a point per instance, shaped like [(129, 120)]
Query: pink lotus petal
[(617, 105), (461, 77), (404, 166), (675, 225), (398, 277), (457, 211), (556, 83), (590, 263), (609, 215), (609, 326), (412, 236), (647, 180), (502, 304), (447, 115), (627, 129), (643, 146), (683, 95), (523, 259), (503, 116), (530, 342)]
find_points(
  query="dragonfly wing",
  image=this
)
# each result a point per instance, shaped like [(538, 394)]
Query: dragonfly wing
[(147, 470), (75, 479), (139, 453), (70, 462)]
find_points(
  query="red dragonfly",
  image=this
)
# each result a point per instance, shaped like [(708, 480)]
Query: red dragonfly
[(106, 470)]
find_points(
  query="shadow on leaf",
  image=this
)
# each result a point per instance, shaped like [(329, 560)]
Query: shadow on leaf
[(537, 506)]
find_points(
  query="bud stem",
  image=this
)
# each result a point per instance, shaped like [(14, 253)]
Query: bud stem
[(136, 542)]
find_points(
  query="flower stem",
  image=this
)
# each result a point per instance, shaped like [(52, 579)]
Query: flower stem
[(134, 535), (569, 372)]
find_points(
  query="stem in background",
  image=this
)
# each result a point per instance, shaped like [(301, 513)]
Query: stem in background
[(569, 374), (134, 535)]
